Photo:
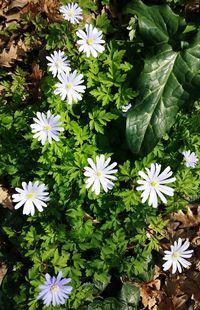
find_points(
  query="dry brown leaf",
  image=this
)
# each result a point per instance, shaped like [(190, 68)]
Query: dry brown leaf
[(51, 9), (89, 217), (1, 88), (190, 218), (179, 301), (89, 18), (191, 287), (5, 198), (196, 240), (31, 7), (14, 17), (166, 303), (174, 290), (3, 271), (15, 52), (183, 288), (4, 4), (17, 4), (37, 73), (8, 57), (150, 294)]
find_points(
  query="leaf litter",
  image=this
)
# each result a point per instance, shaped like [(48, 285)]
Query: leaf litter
[(179, 291)]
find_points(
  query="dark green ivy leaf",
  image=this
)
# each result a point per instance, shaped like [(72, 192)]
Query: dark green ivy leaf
[(130, 294), (158, 23), (169, 78)]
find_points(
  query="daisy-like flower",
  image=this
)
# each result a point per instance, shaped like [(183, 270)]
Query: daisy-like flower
[(58, 63), (70, 86), (31, 195), (190, 159), (100, 173), (90, 41), (46, 127), (126, 108), (176, 256), (54, 290), (71, 12), (153, 184)]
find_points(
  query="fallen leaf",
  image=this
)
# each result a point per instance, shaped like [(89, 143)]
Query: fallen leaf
[(89, 217), (15, 52), (37, 73), (4, 4), (51, 9), (196, 240), (166, 303), (3, 271), (174, 291), (17, 4), (5, 198), (150, 293), (190, 218), (191, 287), (7, 57)]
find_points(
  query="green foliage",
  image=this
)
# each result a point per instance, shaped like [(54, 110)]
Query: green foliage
[(99, 119), (169, 79), (101, 242), (103, 23), (127, 299), (112, 84)]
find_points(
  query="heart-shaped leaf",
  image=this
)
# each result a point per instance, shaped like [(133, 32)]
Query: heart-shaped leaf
[(169, 78)]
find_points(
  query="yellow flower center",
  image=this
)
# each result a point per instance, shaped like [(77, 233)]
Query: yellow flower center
[(58, 64), (47, 127), (54, 288), (71, 13), (69, 86), (176, 255), (29, 195), (99, 173), (154, 183), (90, 41)]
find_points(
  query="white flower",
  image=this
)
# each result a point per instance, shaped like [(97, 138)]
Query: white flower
[(90, 41), (71, 12), (46, 127), (58, 63), (126, 108), (100, 174), (190, 159), (152, 185), (176, 257), (70, 86), (32, 195)]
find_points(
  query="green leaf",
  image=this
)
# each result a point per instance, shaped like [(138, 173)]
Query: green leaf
[(103, 23), (157, 23), (130, 294), (107, 304), (169, 78), (99, 119)]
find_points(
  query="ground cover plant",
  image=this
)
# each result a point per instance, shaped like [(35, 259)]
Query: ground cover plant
[(100, 170)]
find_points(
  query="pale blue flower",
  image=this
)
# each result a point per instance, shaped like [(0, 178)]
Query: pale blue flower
[(58, 63), (190, 158), (71, 12), (126, 108), (54, 290)]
